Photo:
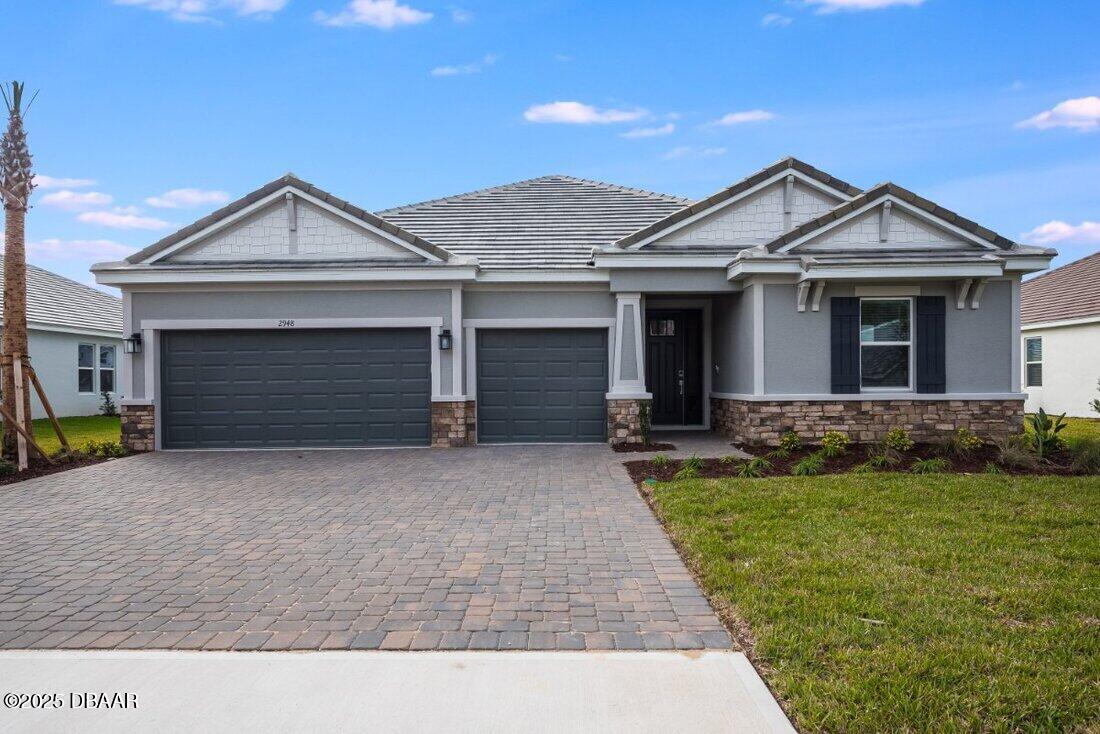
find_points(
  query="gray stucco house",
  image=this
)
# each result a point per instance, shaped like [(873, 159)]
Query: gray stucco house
[(74, 336), (555, 309)]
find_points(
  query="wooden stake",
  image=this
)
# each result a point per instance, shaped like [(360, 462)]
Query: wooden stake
[(23, 433), (46, 404), (20, 417)]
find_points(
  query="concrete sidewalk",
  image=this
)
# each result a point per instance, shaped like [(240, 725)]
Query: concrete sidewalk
[(711, 691)]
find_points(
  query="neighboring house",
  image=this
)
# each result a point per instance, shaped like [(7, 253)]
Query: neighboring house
[(74, 336), (560, 309), (1061, 331)]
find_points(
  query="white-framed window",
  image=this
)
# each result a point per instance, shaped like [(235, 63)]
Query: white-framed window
[(1033, 356), (85, 368), (106, 367), (886, 343)]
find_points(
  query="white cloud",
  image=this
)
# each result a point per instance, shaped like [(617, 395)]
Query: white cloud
[(187, 199), (76, 201), (461, 15), (1081, 114), (123, 219), (649, 132), (775, 20), (204, 11), (475, 67), (688, 151), (65, 250), (49, 182), (577, 113), (1059, 231), (384, 14), (564, 58), (739, 118), (833, 6)]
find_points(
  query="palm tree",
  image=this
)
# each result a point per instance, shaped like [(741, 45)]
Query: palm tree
[(16, 185)]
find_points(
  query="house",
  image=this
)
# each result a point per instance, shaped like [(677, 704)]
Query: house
[(559, 309), (1060, 319), (74, 336)]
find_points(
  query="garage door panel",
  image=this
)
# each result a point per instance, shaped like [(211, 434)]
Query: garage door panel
[(249, 389), (541, 385)]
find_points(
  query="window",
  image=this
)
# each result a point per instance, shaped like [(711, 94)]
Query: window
[(662, 327), (85, 367), (1034, 358), (885, 343), (106, 368)]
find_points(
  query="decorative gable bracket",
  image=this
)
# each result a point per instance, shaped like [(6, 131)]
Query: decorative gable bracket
[(804, 288)]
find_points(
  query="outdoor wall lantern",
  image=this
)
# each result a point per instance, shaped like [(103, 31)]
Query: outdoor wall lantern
[(132, 343), (445, 340)]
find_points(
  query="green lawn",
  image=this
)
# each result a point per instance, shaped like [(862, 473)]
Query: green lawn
[(899, 603), (1082, 428), (79, 430)]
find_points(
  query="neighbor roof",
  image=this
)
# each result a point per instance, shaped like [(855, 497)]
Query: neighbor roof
[(266, 190), (55, 301), (546, 222), (1069, 292), (741, 186)]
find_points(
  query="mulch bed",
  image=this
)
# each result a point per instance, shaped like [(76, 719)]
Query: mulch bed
[(40, 468), (641, 448), (856, 454)]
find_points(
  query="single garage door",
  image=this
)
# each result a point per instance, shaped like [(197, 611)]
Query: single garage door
[(541, 385), (255, 389)]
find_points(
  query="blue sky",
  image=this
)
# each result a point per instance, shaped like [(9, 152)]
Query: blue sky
[(152, 112)]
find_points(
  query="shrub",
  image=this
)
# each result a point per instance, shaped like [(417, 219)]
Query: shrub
[(694, 462), (779, 453), (1095, 403), (864, 468), (7, 468), (789, 442), (834, 444), (107, 405), (686, 472), (938, 465), (809, 466), (991, 468), (753, 468), (1084, 455), (883, 457), (964, 443), (898, 440), (660, 461), (106, 449), (1016, 452), (729, 459), (1044, 432)]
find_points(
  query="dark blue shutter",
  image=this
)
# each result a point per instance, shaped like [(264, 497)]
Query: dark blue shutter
[(931, 344), (844, 344)]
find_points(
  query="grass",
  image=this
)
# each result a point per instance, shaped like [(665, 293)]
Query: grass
[(1081, 428), (78, 429), (901, 603)]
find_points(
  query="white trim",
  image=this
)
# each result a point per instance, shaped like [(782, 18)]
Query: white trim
[(628, 396), (1015, 367), (267, 200), (882, 271), (741, 269), (900, 203), (1028, 361), (538, 323), (780, 176), (1027, 263), (619, 385), (758, 338), (481, 286), (976, 294), (866, 397), (59, 329), (437, 376), (135, 401), (663, 260), (1058, 324), (471, 361), (962, 289), (449, 398), (292, 324), (458, 363), (803, 291), (909, 344), (819, 289), (354, 272), (866, 291), (543, 276)]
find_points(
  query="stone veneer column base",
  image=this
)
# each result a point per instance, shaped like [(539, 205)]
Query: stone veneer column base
[(763, 422), (624, 420), (454, 423), (138, 427)]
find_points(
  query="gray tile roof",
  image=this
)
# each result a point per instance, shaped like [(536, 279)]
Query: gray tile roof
[(55, 301), (1069, 292), (546, 222)]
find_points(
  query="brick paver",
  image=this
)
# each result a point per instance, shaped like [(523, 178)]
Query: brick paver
[(536, 547)]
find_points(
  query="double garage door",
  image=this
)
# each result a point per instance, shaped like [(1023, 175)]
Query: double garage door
[(372, 387)]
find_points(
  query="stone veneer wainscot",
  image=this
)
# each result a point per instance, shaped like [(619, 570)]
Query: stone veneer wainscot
[(624, 420), (138, 427), (454, 423)]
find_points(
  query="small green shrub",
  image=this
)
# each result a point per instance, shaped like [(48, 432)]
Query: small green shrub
[(105, 449), (779, 453), (991, 468), (686, 472), (754, 468), (1016, 452), (964, 443), (834, 444), (938, 465), (694, 462), (1044, 432), (1084, 455), (864, 468), (882, 457), (729, 459), (789, 442), (7, 468), (660, 461), (809, 466), (898, 440)]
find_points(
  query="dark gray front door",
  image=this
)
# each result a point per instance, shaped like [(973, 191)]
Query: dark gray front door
[(541, 385), (256, 389)]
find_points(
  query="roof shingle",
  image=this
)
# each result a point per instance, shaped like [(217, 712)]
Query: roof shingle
[(1069, 292), (53, 300)]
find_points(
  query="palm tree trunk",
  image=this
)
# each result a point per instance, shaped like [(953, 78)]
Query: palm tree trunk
[(14, 340)]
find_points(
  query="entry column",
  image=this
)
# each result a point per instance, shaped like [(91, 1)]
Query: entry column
[(628, 402)]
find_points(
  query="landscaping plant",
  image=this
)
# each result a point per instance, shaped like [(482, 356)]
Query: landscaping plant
[(660, 461), (1084, 455), (964, 443), (754, 468), (834, 444), (811, 465), (938, 465), (1095, 404), (1016, 452), (107, 405), (898, 440), (729, 459), (790, 441), (1044, 432), (690, 468)]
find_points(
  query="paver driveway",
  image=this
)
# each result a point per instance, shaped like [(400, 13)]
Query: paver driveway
[(535, 547)]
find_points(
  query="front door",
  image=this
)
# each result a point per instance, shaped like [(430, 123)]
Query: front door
[(674, 366)]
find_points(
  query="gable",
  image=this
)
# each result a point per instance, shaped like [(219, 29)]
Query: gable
[(756, 218), (317, 234), (904, 230)]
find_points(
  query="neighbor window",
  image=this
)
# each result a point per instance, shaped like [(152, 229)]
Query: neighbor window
[(1034, 349), (106, 368), (85, 367), (885, 342)]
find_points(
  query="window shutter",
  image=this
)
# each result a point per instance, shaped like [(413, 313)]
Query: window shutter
[(931, 344), (844, 345)]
